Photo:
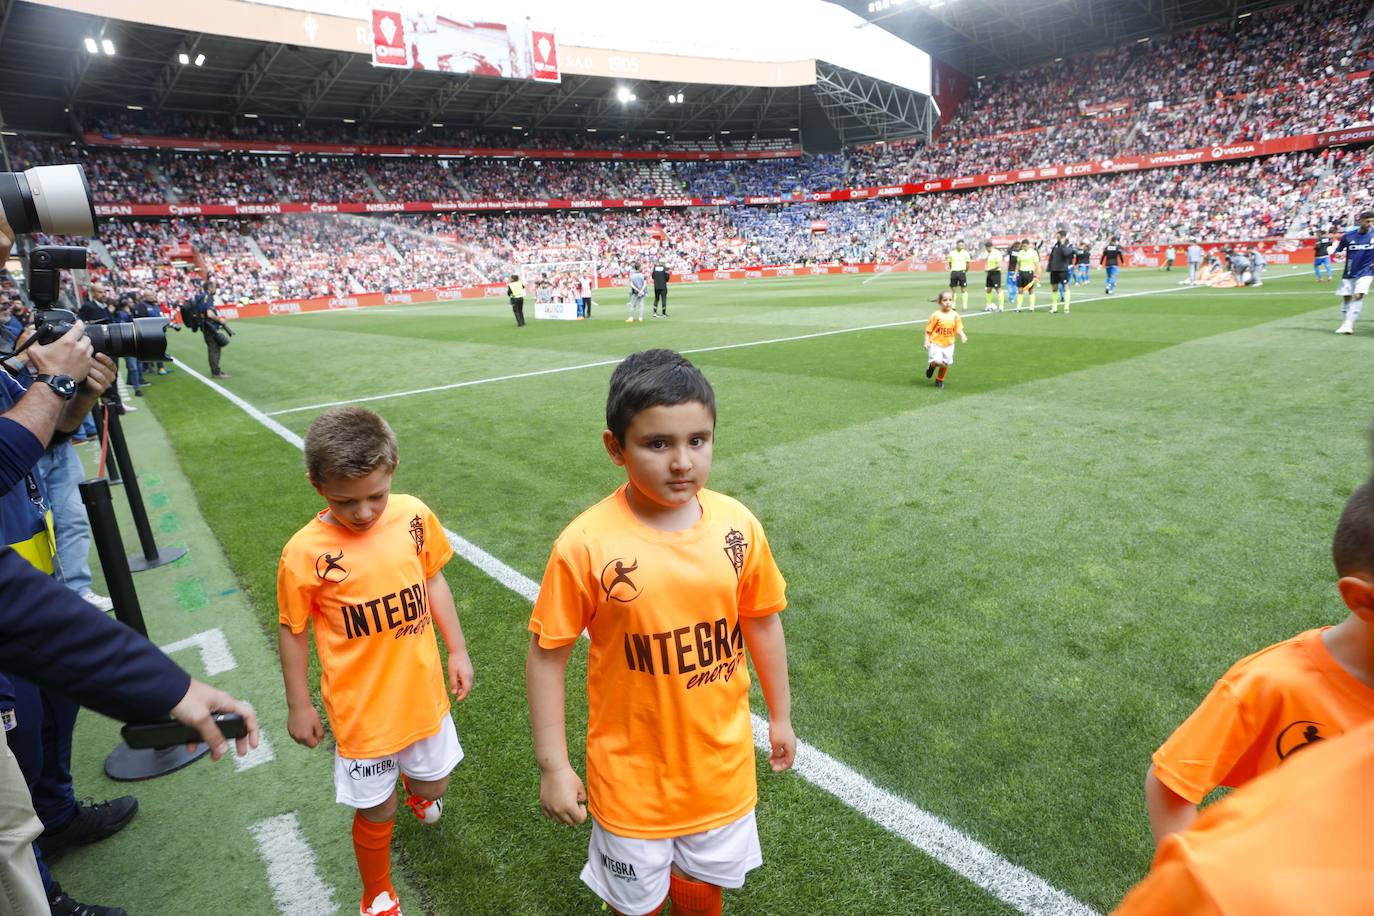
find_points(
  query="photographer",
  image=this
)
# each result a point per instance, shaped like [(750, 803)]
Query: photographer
[(40, 721), (212, 326)]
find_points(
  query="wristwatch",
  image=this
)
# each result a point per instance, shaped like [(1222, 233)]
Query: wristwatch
[(63, 385)]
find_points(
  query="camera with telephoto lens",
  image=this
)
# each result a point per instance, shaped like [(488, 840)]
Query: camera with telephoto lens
[(49, 198), (144, 339)]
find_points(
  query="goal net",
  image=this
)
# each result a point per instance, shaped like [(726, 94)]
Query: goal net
[(557, 286)]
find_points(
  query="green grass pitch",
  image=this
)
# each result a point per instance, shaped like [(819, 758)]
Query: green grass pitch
[(1004, 595)]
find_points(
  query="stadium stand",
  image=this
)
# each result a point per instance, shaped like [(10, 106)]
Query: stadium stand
[(1213, 84), (299, 256)]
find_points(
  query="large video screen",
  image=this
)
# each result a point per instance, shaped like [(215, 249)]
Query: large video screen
[(428, 39)]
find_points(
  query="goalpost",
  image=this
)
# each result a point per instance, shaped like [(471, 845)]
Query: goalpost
[(557, 286)]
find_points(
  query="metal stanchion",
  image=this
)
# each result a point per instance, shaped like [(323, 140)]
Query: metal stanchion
[(111, 470), (124, 763), (152, 556)]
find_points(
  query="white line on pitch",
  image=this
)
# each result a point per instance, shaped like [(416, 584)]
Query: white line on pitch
[(297, 888), (610, 362), (214, 650), (1012, 884)]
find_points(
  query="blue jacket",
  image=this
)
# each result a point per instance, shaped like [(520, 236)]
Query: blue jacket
[(20, 450), (51, 636)]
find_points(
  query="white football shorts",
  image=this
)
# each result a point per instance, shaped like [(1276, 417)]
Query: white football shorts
[(939, 354), (367, 783), (632, 874), (1354, 287)]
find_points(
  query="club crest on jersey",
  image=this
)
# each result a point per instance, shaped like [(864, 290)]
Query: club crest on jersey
[(616, 583), (417, 533), (328, 567), (734, 549), (1296, 736)]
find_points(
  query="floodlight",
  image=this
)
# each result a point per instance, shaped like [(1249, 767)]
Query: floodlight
[(623, 94), (183, 58), (92, 46), (200, 60), (108, 46)]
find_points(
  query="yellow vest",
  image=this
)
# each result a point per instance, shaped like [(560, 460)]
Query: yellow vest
[(958, 260), (1027, 259), (517, 290)]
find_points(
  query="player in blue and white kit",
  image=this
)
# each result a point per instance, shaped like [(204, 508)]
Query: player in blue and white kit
[(1358, 244)]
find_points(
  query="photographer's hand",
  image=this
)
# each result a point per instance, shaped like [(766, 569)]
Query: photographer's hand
[(198, 706), (6, 239), (38, 411), (71, 354), (102, 375)]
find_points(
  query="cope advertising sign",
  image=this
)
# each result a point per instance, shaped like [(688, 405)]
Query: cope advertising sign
[(425, 39)]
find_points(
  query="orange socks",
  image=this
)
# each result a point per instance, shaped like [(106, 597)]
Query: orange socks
[(940, 376), (372, 846), (693, 898)]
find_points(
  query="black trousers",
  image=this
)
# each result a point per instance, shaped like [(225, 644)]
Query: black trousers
[(518, 307), (212, 347), (660, 295)]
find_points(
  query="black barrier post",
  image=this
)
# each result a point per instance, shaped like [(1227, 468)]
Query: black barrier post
[(124, 763), (152, 556), (111, 470)]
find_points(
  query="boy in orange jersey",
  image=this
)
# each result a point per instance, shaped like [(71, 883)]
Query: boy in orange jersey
[(1281, 700), (940, 331), (672, 583), (1295, 840), (368, 572)]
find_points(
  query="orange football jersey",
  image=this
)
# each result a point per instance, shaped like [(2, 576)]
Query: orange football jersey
[(1295, 842), (670, 750), (943, 327), (382, 681), (1265, 708)]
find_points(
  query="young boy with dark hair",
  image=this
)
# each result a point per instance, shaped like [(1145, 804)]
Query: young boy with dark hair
[(367, 571), (1275, 703), (672, 583)]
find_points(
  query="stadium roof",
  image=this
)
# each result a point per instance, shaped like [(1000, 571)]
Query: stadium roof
[(46, 70), (982, 37)]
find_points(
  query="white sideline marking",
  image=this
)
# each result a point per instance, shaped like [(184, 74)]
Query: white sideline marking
[(296, 884), (243, 405), (610, 362), (1009, 883), (214, 650), (1012, 884)]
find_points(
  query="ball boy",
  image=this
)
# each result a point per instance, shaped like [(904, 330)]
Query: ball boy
[(672, 583), (367, 573)]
